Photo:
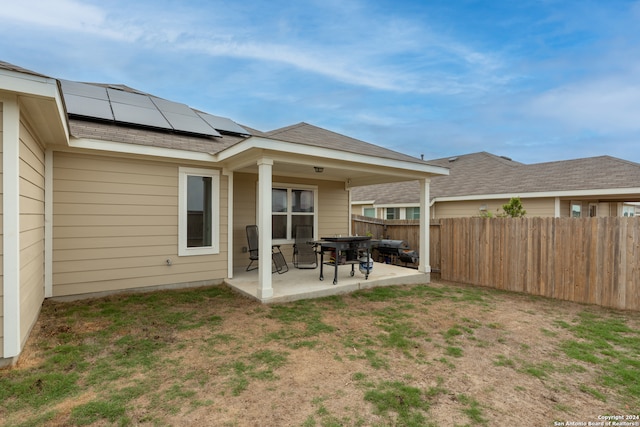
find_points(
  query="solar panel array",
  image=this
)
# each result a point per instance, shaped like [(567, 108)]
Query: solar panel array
[(121, 106)]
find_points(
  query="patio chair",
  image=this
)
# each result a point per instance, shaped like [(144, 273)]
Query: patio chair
[(304, 252), (276, 255)]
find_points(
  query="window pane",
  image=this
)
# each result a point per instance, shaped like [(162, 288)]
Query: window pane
[(576, 210), (301, 220), (279, 199), (279, 226), (393, 213), (369, 212), (199, 211), (413, 213), (302, 200)]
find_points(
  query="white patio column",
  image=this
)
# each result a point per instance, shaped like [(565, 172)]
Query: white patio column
[(424, 265), (11, 224), (230, 222), (265, 169)]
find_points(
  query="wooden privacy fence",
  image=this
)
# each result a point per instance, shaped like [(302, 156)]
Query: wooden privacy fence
[(399, 229), (590, 260)]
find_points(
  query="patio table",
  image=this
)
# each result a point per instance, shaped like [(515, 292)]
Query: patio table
[(353, 245)]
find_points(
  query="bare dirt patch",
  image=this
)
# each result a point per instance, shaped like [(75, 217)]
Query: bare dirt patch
[(473, 356)]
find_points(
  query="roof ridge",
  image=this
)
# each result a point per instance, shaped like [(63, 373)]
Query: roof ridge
[(587, 159), (285, 128), (16, 68)]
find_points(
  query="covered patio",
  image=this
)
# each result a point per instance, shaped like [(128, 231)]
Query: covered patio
[(297, 284)]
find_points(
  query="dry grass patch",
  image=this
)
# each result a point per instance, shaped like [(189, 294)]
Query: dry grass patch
[(437, 354)]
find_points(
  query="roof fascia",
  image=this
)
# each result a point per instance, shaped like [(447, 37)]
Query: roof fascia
[(36, 88), (142, 150), (564, 193), (28, 84), (397, 205), (262, 143)]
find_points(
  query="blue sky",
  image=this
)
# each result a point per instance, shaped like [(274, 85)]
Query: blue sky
[(536, 81)]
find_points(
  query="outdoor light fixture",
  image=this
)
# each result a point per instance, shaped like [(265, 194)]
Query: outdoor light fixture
[(318, 169)]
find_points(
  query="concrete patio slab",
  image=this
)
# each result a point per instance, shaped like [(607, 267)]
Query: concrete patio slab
[(299, 284)]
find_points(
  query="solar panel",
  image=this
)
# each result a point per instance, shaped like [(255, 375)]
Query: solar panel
[(124, 106), (172, 107), (83, 89), (224, 124), (126, 113), (130, 98), (88, 107), (183, 118)]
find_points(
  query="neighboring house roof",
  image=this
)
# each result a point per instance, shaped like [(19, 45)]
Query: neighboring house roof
[(481, 174)]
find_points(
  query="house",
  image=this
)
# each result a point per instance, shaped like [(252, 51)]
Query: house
[(106, 189), (480, 183)]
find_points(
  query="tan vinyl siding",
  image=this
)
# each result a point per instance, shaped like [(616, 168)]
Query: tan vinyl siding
[(116, 224), (535, 207), (539, 207), (244, 213), (332, 210), (1, 245), (31, 230)]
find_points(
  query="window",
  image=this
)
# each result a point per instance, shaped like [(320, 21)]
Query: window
[(628, 210), (593, 210), (369, 212), (291, 207), (198, 216), (576, 209), (413, 213), (393, 213)]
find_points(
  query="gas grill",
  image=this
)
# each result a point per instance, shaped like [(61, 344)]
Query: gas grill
[(393, 251)]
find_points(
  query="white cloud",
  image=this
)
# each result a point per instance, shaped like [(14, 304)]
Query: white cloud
[(604, 105), (65, 15), (351, 44)]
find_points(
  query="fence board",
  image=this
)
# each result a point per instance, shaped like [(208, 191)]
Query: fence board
[(590, 260), (587, 260), (399, 229)]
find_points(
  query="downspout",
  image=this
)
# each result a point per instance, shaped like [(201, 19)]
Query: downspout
[(48, 223), (432, 204)]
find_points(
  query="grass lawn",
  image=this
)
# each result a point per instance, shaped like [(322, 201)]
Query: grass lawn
[(420, 355)]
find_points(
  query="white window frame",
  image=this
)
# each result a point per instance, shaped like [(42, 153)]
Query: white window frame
[(396, 209), (290, 187), (571, 205), (408, 208), (183, 249), (364, 212), (628, 210)]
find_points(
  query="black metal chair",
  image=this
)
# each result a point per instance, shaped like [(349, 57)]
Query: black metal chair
[(304, 252), (276, 255)]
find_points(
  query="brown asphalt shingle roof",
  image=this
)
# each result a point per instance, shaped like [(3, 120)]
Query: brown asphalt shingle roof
[(301, 133), (484, 173), (11, 67), (107, 131), (306, 134)]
